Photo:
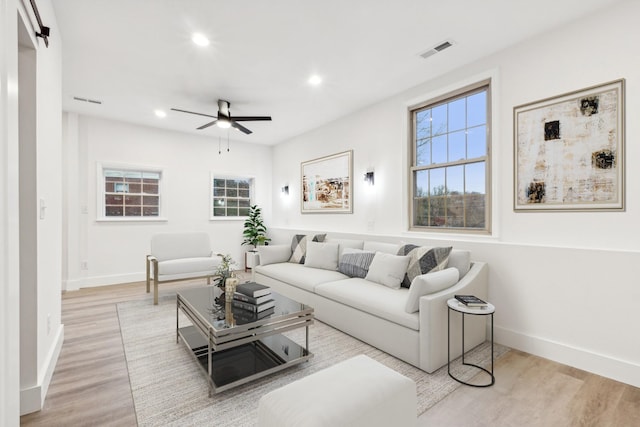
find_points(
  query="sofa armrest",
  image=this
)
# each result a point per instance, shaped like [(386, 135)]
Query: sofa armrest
[(433, 316), (273, 254)]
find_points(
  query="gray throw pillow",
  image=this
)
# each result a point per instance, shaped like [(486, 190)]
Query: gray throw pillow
[(423, 260), (355, 262)]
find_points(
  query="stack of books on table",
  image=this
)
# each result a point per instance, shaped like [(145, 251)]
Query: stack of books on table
[(254, 298), (470, 301)]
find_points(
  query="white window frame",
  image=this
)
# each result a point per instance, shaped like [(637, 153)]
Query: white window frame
[(443, 97), (100, 192), (213, 176)]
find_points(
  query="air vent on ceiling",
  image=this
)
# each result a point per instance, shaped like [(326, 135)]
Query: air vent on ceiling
[(92, 101), (437, 48)]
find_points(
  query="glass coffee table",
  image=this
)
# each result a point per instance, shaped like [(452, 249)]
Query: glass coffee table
[(234, 346)]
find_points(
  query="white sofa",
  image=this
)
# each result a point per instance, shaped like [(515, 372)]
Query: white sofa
[(180, 256), (378, 314)]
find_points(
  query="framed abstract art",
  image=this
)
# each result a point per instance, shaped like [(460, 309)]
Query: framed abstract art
[(569, 151)]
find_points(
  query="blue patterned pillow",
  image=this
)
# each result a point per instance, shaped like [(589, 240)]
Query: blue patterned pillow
[(355, 263)]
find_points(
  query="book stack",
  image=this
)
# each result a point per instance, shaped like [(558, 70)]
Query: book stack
[(471, 301), (254, 299)]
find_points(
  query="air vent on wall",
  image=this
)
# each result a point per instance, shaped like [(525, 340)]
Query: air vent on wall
[(437, 48), (92, 101)]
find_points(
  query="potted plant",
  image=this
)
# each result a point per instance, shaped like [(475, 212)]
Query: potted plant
[(255, 232), (225, 270)]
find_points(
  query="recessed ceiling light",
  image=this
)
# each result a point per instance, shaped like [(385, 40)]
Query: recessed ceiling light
[(160, 113), (200, 39), (315, 80)]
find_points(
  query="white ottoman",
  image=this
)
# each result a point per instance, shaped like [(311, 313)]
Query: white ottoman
[(356, 392)]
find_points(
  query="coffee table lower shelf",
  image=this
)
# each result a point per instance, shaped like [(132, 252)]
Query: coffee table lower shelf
[(246, 362)]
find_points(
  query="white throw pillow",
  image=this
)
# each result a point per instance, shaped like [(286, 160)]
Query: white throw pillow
[(322, 255), (274, 254), (387, 269), (430, 283)]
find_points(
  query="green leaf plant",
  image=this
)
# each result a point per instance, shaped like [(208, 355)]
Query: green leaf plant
[(255, 232)]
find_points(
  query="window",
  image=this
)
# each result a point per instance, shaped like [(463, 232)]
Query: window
[(450, 161), (231, 196), (130, 193)]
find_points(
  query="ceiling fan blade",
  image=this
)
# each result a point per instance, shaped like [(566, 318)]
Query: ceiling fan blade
[(240, 127), (193, 112), (251, 118), (207, 125)]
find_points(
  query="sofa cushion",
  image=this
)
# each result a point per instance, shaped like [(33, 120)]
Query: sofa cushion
[(206, 265), (387, 248), (272, 254), (298, 275), (166, 246), (322, 255), (387, 269), (429, 283), (346, 243), (460, 260), (423, 260), (299, 246), (372, 298), (355, 262)]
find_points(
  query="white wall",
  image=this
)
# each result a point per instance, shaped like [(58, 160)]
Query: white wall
[(18, 396), (9, 219), (115, 251), (49, 191), (564, 284)]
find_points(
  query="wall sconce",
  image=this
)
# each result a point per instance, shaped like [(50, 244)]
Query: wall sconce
[(285, 190), (368, 178)]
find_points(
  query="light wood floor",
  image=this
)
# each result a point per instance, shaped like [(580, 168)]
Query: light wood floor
[(90, 385)]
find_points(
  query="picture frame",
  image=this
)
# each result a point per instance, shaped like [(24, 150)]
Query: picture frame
[(569, 151), (326, 184)]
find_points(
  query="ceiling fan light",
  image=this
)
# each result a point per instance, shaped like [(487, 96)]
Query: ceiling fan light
[(223, 124)]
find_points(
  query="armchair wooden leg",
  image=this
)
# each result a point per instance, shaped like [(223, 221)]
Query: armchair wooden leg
[(148, 276), (208, 280), (156, 279), (155, 292)]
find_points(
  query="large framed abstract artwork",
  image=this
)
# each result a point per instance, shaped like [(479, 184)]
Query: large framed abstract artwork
[(327, 184), (569, 151)]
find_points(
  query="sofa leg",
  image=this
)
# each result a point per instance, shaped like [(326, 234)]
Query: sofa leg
[(155, 293), (208, 280), (148, 285)]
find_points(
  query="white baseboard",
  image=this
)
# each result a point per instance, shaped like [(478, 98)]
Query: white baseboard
[(92, 282), (606, 366), (32, 398)]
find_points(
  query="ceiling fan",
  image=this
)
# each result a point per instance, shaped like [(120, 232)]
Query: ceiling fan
[(224, 118)]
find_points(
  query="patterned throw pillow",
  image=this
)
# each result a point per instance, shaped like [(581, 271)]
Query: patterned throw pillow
[(355, 263), (423, 260), (299, 246)]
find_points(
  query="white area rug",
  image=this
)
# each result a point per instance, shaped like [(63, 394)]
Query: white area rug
[(170, 388)]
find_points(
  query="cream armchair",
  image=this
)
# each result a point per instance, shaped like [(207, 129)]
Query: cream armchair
[(180, 256)]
